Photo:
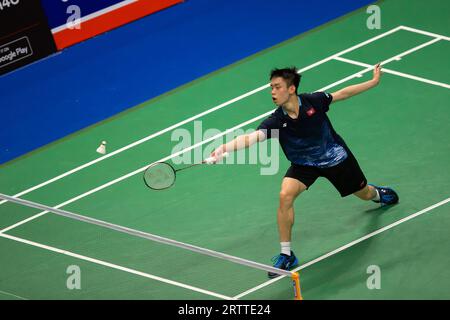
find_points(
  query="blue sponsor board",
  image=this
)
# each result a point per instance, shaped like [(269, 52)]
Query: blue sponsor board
[(58, 11)]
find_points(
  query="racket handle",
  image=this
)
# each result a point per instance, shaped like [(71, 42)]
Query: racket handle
[(212, 160)]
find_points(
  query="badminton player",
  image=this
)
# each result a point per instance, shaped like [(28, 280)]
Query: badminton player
[(312, 146)]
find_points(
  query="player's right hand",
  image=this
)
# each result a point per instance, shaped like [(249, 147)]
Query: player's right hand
[(218, 153)]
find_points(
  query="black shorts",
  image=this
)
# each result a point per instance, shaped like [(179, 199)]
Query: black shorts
[(347, 177)]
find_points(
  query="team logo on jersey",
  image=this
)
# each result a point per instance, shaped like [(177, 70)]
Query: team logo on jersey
[(284, 125), (310, 112)]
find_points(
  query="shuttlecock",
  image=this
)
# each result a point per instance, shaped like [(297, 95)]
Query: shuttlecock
[(102, 148)]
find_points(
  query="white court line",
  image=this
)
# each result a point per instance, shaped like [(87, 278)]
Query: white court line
[(329, 254), (430, 34), (154, 135), (117, 267), (356, 74), (400, 74), (423, 45), (12, 295)]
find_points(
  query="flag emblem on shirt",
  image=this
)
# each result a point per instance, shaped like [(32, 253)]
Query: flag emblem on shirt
[(310, 112)]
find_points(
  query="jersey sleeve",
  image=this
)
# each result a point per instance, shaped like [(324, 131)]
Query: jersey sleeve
[(269, 124), (321, 99)]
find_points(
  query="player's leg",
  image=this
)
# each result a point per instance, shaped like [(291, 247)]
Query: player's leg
[(367, 193), (348, 178), (290, 190), (383, 195), (296, 180)]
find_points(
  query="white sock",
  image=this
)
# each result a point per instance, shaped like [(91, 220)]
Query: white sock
[(286, 248), (377, 197)]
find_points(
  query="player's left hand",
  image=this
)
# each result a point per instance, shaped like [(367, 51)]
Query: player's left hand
[(377, 73)]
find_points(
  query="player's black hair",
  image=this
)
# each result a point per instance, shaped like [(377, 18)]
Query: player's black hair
[(290, 75)]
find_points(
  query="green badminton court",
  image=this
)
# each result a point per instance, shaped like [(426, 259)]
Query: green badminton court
[(398, 131)]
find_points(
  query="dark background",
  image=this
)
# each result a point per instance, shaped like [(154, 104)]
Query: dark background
[(27, 18)]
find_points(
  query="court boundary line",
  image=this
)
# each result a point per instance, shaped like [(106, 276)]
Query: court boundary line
[(346, 246), (397, 73), (101, 187), (199, 115), (116, 266), (13, 295), (426, 33)]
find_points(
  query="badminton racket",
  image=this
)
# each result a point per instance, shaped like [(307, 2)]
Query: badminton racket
[(162, 175)]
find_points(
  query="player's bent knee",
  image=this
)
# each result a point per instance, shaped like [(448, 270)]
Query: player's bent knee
[(290, 189), (287, 197)]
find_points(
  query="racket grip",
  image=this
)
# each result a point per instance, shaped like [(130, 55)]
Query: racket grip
[(212, 160)]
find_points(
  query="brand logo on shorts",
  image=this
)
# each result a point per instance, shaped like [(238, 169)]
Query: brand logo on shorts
[(310, 112)]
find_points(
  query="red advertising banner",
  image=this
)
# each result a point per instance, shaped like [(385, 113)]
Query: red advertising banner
[(106, 19)]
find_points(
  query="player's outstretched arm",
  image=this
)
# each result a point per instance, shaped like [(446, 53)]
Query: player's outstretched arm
[(240, 142), (351, 91)]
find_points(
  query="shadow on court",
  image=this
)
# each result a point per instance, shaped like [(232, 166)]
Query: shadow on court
[(380, 210)]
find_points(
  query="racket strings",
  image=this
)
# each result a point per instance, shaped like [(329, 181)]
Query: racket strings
[(159, 176)]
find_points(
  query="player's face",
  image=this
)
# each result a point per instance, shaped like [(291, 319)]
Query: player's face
[(280, 91)]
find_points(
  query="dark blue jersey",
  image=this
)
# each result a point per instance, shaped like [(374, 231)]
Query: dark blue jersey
[(310, 139)]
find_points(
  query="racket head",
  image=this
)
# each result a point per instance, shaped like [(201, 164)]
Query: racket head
[(159, 176)]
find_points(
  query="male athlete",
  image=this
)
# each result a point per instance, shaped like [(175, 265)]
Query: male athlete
[(312, 146)]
